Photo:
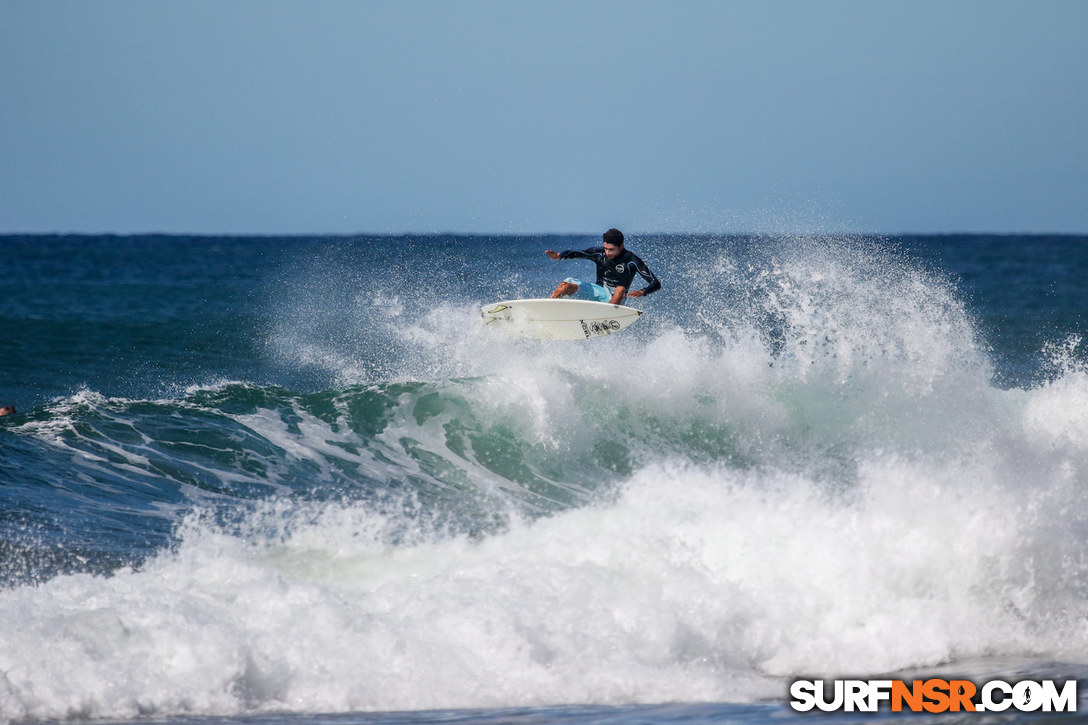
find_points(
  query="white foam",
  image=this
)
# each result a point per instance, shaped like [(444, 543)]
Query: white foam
[(697, 583)]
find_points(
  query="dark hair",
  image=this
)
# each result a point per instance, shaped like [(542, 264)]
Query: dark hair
[(614, 237)]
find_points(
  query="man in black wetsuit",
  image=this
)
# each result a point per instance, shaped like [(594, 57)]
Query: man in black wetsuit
[(616, 268)]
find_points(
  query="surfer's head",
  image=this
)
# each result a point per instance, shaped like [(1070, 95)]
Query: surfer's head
[(613, 243)]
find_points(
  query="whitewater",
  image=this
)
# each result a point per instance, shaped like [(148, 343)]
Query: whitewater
[(812, 457)]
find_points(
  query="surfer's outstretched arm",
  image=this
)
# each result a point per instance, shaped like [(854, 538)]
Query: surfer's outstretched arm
[(592, 253)]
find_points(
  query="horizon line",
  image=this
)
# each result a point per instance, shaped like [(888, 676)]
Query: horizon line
[(395, 235)]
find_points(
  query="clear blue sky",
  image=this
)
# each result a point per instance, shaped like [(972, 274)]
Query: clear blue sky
[(257, 116)]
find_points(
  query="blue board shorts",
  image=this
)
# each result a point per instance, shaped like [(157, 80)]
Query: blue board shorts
[(589, 291)]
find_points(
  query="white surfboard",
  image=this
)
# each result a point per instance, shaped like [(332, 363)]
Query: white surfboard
[(558, 319)]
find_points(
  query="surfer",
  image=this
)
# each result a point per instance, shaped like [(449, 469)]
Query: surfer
[(616, 269)]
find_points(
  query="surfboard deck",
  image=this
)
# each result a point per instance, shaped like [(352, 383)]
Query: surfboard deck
[(558, 319)]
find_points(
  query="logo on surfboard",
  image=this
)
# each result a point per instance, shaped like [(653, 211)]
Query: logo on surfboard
[(599, 327)]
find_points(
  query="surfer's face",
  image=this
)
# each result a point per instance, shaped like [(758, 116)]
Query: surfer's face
[(612, 251)]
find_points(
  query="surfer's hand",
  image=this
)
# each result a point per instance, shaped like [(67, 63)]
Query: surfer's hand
[(636, 293), (552, 254)]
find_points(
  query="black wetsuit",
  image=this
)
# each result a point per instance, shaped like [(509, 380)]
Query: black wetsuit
[(618, 272)]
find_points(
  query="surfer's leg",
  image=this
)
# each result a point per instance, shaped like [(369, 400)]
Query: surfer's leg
[(565, 289)]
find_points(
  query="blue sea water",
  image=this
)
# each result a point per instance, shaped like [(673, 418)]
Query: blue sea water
[(297, 480)]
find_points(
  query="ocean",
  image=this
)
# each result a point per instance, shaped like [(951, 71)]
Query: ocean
[(295, 479)]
